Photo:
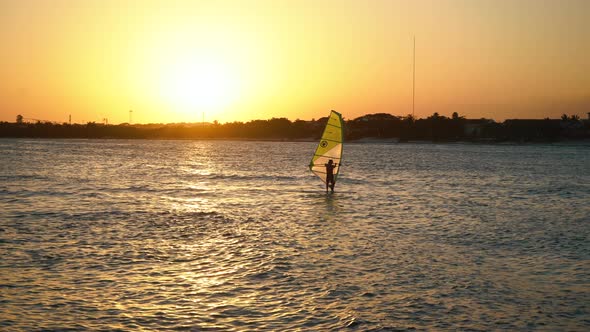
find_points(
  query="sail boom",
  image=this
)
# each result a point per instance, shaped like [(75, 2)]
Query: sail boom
[(330, 157)]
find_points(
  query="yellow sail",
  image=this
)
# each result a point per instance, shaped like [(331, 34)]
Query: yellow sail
[(329, 148)]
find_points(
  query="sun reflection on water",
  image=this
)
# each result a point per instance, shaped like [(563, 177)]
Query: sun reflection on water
[(194, 235)]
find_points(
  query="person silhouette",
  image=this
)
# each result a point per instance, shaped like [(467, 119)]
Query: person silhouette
[(330, 182)]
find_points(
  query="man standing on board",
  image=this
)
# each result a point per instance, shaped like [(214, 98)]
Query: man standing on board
[(330, 174)]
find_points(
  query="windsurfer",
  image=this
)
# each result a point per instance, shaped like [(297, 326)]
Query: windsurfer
[(330, 182)]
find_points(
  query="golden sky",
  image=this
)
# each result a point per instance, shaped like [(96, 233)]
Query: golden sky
[(173, 61)]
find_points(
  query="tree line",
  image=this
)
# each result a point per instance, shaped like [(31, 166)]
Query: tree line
[(435, 128)]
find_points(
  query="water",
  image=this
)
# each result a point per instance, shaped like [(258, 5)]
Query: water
[(239, 236)]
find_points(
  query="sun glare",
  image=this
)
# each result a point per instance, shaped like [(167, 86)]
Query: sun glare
[(196, 87)]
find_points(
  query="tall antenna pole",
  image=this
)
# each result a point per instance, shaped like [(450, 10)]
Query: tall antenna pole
[(130, 113), (414, 80)]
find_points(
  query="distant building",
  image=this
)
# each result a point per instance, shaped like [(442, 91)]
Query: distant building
[(475, 127)]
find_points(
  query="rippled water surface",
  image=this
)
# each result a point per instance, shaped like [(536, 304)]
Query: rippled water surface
[(223, 236)]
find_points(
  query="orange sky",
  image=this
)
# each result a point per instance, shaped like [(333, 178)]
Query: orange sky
[(172, 61)]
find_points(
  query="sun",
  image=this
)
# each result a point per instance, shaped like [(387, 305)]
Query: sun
[(200, 86)]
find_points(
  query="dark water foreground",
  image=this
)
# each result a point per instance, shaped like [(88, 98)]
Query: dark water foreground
[(222, 236)]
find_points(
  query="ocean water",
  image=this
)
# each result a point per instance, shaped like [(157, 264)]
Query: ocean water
[(239, 236)]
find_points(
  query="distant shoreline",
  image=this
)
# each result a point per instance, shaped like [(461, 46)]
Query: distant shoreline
[(380, 128), (568, 142)]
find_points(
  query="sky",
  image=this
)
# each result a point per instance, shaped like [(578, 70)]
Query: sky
[(189, 61)]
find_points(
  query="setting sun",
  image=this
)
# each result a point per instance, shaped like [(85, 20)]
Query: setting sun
[(196, 87)]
